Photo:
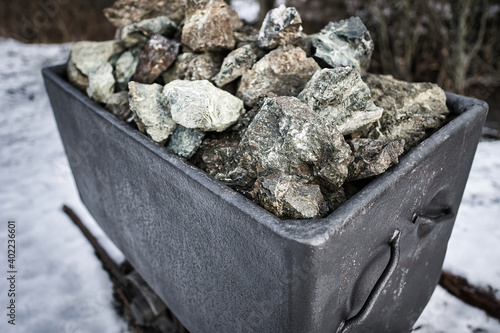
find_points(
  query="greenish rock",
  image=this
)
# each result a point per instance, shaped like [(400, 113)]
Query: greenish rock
[(281, 26), (101, 83), (125, 67), (235, 65), (344, 43), (373, 157), (341, 96), (137, 34), (283, 71), (286, 136), (199, 104), (151, 114), (118, 105), (185, 141)]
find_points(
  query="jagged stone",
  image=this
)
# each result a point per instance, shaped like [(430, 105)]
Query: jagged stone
[(158, 54), (281, 25), (140, 32), (185, 141), (151, 115), (334, 198), (85, 57), (125, 67), (287, 136), (209, 29), (341, 96), (118, 105), (125, 12), (101, 83), (344, 43), (283, 71), (192, 66), (246, 35), (235, 65), (373, 157), (411, 110), (290, 197), (199, 104)]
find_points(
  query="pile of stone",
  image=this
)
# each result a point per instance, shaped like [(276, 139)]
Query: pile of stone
[(288, 120)]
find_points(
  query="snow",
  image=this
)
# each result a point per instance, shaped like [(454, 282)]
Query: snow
[(61, 284)]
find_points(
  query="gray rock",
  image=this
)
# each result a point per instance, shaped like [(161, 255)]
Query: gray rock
[(235, 65), (158, 54), (125, 12), (373, 157), (118, 105), (192, 66), (140, 32), (199, 104), (185, 141), (246, 35), (287, 136), (151, 115), (341, 96), (101, 83), (85, 57), (281, 25), (125, 67), (289, 197), (344, 43), (209, 29), (283, 71), (411, 110)]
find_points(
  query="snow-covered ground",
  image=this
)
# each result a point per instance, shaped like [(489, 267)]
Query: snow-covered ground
[(61, 286)]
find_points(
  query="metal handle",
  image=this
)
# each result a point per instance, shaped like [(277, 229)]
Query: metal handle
[(427, 222), (377, 289)]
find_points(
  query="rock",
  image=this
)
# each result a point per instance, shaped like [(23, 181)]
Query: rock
[(334, 199), (118, 105), (341, 96), (185, 141), (101, 83), (151, 115), (140, 32), (199, 104), (283, 71), (235, 65), (281, 25), (411, 110), (246, 35), (344, 43), (209, 29), (125, 67), (158, 54), (373, 157), (192, 66), (289, 197), (125, 12), (287, 136), (85, 57)]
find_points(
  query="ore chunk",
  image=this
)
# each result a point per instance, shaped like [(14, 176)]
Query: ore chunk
[(101, 83), (139, 33), (118, 105), (344, 43), (289, 197), (125, 12), (283, 71), (185, 141), (209, 29), (341, 96), (85, 57), (199, 104), (373, 157), (281, 25), (411, 110), (125, 67), (246, 35), (287, 136), (158, 54), (192, 66), (235, 65), (151, 115)]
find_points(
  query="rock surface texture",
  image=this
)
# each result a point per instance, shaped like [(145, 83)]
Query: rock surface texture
[(185, 141), (101, 83), (151, 115), (118, 105), (125, 12), (199, 104), (193, 66), (344, 43), (235, 65), (283, 71), (140, 32), (281, 26), (125, 67), (341, 96)]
